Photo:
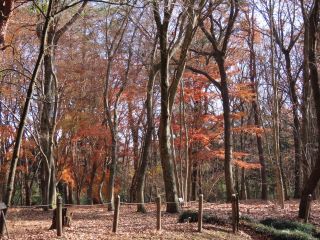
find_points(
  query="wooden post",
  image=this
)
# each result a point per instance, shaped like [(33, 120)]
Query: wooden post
[(237, 212), (200, 213), (59, 216), (116, 214), (306, 217), (158, 201), (234, 213)]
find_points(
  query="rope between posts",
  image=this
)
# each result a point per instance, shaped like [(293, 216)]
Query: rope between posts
[(90, 205), (87, 205), (32, 206)]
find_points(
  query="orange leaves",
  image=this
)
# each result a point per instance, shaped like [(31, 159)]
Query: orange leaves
[(247, 165), (208, 155), (249, 129), (200, 138), (66, 176), (6, 132), (244, 91)]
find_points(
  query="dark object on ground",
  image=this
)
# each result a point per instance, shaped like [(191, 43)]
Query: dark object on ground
[(192, 216)]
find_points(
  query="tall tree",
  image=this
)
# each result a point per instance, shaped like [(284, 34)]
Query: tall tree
[(255, 107), (313, 21), (219, 36), (275, 112), (184, 31), (286, 45)]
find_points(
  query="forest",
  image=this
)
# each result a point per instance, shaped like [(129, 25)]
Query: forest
[(171, 98)]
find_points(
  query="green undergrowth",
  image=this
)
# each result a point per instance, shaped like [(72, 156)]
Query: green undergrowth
[(274, 229), (281, 229)]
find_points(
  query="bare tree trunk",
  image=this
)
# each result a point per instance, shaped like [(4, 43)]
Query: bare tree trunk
[(227, 129), (252, 68), (141, 172), (186, 145), (243, 192), (276, 121), (174, 158), (305, 106)]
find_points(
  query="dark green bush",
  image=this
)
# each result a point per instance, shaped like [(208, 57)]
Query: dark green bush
[(214, 219), (207, 218), (281, 234), (282, 224), (246, 218), (184, 216)]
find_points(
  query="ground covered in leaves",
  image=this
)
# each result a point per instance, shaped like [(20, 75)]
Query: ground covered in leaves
[(96, 222)]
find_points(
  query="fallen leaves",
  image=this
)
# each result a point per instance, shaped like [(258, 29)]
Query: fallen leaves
[(96, 222)]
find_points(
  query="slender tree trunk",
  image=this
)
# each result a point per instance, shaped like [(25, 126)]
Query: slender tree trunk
[(113, 168), (141, 173), (243, 192), (174, 158), (252, 67), (276, 121), (186, 145), (296, 126), (305, 106), (90, 185), (227, 129)]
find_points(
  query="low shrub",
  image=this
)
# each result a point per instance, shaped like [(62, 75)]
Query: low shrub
[(189, 215), (281, 234), (192, 216), (282, 224)]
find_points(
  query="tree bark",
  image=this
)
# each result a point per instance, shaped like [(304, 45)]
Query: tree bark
[(227, 129), (139, 183), (276, 121)]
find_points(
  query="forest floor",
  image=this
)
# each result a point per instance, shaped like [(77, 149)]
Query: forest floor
[(96, 222)]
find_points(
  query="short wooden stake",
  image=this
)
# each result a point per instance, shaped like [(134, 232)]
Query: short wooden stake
[(158, 202), (116, 214), (200, 213), (59, 216), (237, 212), (234, 212), (306, 217)]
